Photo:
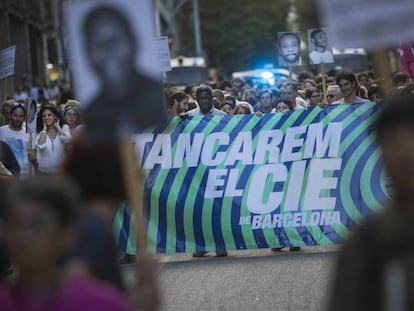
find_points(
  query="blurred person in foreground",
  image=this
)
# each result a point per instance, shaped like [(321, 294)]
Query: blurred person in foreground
[(39, 225), (129, 100), (97, 169), (384, 242)]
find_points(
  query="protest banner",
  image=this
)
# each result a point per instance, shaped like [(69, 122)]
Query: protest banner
[(7, 59), (247, 182)]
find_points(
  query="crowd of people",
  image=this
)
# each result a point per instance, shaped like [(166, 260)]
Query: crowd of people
[(57, 230), (240, 97)]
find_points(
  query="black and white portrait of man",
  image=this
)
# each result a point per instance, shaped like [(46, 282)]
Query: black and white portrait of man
[(319, 49), (289, 49)]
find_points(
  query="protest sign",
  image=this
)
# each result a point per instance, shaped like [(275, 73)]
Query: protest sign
[(320, 50), (368, 24), (289, 51), (246, 182), (163, 52), (31, 116), (7, 59), (116, 71)]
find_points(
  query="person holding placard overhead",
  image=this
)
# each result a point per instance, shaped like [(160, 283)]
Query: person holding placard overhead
[(321, 53), (128, 100), (289, 49)]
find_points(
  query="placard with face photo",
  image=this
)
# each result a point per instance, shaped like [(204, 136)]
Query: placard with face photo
[(115, 70), (289, 52), (320, 50)]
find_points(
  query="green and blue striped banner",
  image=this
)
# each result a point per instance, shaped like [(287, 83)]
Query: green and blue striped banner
[(246, 182)]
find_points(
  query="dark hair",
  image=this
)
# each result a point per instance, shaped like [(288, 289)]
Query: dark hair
[(292, 84), (315, 32), (65, 96), (239, 80), (96, 168), (289, 34), (286, 101), (16, 106), (399, 77), (191, 105), (227, 102), (39, 125), (218, 94), (230, 99), (58, 195), (5, 104), (363, 74), (303, 76), (189, 88), (264, 92), (375, 89), (204, 88), (310, 91), (311, 81), (347, 75), (178, 96), (398, 111), (223, 84)]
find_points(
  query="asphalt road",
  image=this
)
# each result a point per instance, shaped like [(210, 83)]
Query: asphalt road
[(248, 280)]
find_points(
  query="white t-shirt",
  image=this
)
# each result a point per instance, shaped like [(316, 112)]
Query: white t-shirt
[(197, 112), (318, 57), (19, 144), (50, 154), (300, 103)]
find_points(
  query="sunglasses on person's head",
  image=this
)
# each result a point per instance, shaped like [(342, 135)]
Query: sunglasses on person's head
[(18, 105)]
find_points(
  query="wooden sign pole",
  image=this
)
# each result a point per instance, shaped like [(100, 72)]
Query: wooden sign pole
[(324, 98), (30, 147), (134, 184), (382, 67), (5, 86)]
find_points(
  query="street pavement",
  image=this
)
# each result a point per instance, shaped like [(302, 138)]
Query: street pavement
[(248, 280)]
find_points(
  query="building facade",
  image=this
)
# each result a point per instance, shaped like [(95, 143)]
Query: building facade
[(33, 27)]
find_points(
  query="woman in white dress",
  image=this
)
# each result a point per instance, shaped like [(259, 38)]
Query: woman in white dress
[(50, 140)]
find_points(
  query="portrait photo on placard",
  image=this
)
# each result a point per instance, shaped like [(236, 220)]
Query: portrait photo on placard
[(289, 49), (320, 50), (116, 72)]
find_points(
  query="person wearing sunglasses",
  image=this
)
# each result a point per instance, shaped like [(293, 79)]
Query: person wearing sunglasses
[(333, 93), (14, 134)]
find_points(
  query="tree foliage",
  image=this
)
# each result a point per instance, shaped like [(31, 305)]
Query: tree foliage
[(307, 14), (237, 35)]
